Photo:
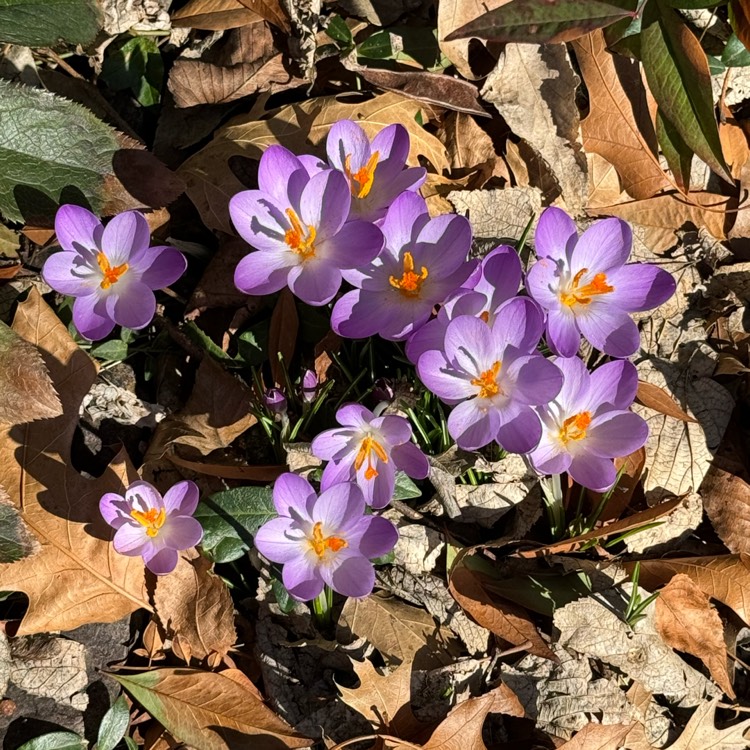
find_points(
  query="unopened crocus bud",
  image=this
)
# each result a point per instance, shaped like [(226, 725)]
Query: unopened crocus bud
[(382, 390), (275, 401), (309, 386)]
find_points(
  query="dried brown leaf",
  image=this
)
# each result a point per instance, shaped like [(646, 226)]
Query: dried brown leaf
[(467, 145), (599, 737), (214, 15), (604, 182), (618, 126), (271, 10), (196, 605), (76, 577), (701, 733), (687, 621), (629, 469), (282, 336), (726, 500), (659, 400)]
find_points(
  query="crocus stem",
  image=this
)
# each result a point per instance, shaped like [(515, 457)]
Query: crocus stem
[(553, 502), (323, 608)]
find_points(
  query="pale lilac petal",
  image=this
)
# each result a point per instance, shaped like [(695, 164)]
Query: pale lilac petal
[(437, 375), (555, 234), (521, 432), (259, 220), (410, 459), (404, 221), (130, 539), (549, 457), (473, 425), (145, 495), (519, 322), (346, 138), (336, 472), (181, 532), (315, 282), (354, 415), (332, 445), (543, 283), (68, 273), (563, 336), (312, 164), (501, 275), (617, 435), (392, 145), (125, 237), (443, 244), (614, 383), (90, 317), (470, 345), (640, 286), (603, 248), (430, 336), (280, 540), (338, 506), (325, 203), (537, 380), (275, 169), (354, 576), (162, 266), (134, 308), (596, 473), (356, 244), (115, 509), (263, 272), (161, 562), (377, 490), (609, 330), (302, 578), (360, 314), (182, 498), (379, 538), (396, 430), (292, 494), (575, 390), (77, 228)]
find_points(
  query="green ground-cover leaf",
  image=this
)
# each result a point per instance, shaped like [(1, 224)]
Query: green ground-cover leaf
[(114, 725), (68, 159), (678, 76), (678, 154), (55, 741), (46, 23), (135, 64)]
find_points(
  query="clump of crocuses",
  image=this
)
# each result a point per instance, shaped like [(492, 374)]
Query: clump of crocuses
[(111, 271)]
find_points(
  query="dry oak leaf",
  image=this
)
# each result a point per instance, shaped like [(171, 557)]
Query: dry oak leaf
[(605, 187), (384, 700), (498, 214), (688, 622), (76, 577), (302, 128), (618, 126), (599, 737), (701, 733), (214, 15), (195, 605)]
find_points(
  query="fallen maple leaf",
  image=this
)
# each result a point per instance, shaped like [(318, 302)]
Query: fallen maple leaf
[(76, 577)]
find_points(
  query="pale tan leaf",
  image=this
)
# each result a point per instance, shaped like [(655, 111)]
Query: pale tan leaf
[(214, 15), (701, 732), (302, 128), (604, 182), (618, 126), (599, 737), (76, 577), (688, 622), (533, 87), (675, 528), (196, 605), (498, 214)]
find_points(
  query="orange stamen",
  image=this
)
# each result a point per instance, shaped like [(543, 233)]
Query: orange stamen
[(366, 448), (363, 177), (321, 544), (301, 242), (152, 519), (487, 381), (574, 428), (410, 283), (576, 295), (111, 275)]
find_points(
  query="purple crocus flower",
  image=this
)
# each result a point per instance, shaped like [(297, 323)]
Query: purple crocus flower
[(296, 220), (151, 526), (423, 262), (588, 424), (369, 450), (494, 376), (275, 401), (324, 540), (586, 287), (375, 171), (496, 280), (309, 386), (111, 271)]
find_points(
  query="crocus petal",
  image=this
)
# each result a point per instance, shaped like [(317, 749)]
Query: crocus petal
[(162, 266), (555, 234), (346, 138), (640, 286), (430, 336), (444, 381), (519, 322), (182, 498), (338, 506), (543, 283), (574, 394), (161, 562), (354, 415), (392, 145), (332, 445), (614, 383), (325, 203), (470, 345), (354, 245), (90, 317), (292, 494), (396, 430), (377, 490), (549, 457), (181, 532), (360, 314), (603, 248), (276, 167), (590, 471), (125, 237), (68, 273), (315, 282), (77, 228), (610, 330), (448, 239), (115, 509), (134, 307), (501, 275), (472, 425), (145, 495), (409, 459), (130, 539), (280, 540), (379, 538), (617, 435), (302, 578), (563, 336), (521, 432), (404, 221), (336, 472), (259, 219), (263, 272), (355, 577), (537, 380)]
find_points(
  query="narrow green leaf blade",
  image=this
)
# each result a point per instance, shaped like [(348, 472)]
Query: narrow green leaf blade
[(678, 154), (46, 23), (678, 76), (551, 21), (114, 725)]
